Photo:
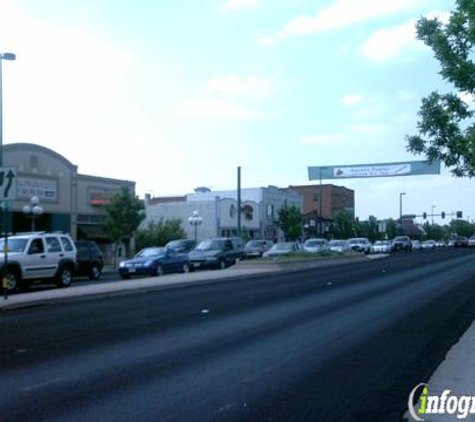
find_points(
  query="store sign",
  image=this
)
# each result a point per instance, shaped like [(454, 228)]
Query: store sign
[(100, 199), (413, 168), (45, 189)]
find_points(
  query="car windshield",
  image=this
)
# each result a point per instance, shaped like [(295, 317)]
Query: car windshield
[(176, 245), (150, 252), (313, 243), (209, 245), (14, 245)]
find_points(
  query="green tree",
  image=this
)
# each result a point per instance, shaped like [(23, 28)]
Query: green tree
[(391, 229), (445, 128), (434, 231), (159, 233), (125, 212), (291, 221), (343, 225), (461, 228)]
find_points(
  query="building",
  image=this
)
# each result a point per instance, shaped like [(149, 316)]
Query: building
[(326, 199), (218, 210), (71, 202)]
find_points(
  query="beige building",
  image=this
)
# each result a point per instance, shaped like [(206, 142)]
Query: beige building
[(71, 202)]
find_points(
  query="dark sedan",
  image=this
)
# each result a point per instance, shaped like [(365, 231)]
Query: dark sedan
[(154, 261)]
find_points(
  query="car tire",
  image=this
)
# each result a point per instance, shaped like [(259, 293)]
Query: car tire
[(186, 268), (95, 272), (13, 280), (64, 277)]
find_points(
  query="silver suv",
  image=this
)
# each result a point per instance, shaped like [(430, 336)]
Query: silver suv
[(38, 256)]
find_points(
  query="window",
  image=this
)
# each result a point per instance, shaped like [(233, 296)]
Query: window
[(67, 245), (36, 246), (270, 210), (52, 244)]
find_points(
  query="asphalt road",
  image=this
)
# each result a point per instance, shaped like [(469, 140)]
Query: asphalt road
[(344, 343)]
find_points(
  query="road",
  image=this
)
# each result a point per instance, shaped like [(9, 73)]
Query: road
[(343, 343)]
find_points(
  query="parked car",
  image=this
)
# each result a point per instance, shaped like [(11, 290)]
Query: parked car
[(90, 260), (38, 256), (279, 249), (416, 245), (360, 244), (256, 248), (460, 242), (401, 243), (381, 246), (471, 241), (429, 244), (238, 246), (181, 245), (316, 245), (214, 253), (440, 244), (154, 261), (339, 245)]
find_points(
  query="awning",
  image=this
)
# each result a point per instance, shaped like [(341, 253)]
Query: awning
[(91, 231)]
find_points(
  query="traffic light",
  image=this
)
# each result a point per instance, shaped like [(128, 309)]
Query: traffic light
[(443, 214), (459, 214), (424, 215)]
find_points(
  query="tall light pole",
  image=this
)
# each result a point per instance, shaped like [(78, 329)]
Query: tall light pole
[(432, 213), (195, 220), (33, 210), (3, 56), (321, 201), (401, 194)]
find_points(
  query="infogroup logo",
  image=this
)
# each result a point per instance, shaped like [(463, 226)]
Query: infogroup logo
[(458, 406)]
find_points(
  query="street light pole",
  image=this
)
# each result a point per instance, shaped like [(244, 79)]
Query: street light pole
[(195, 220), (432, 213), (33, 211), (401, 194), (321, 201), (3, 56)]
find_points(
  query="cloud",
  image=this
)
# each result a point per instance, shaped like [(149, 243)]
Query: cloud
[(233, 5), (341, 14), (388, 43), (324, 139), (205, 108), (351, 100), (248, 86)]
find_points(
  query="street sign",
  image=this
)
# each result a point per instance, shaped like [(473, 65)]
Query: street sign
[(7, 183)]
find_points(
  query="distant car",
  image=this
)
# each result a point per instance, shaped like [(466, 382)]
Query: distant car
[(338, 245), (429, 244), (216, 252), (460, 242), (440, 244), (154, 261), (401, 243), (181, 245), (471, 241), (89, 259), (416, 245), (282, 249), (316, 245), (256, 248), (360, 244), (381, 246)]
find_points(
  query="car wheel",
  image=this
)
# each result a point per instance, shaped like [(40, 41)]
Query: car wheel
[(125, 276), (64, 277), (95, 272), (13, 281), (186, 268)]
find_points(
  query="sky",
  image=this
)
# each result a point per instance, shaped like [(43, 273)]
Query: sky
[(177, 94)]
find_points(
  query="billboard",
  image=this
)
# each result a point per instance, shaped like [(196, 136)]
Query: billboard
[(360, 171)]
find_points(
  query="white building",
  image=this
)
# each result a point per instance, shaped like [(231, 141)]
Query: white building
[(218, 210)]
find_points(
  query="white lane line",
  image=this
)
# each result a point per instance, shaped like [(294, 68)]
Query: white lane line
[(44, 384)]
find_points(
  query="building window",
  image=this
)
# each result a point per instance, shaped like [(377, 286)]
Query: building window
[(270, 211)]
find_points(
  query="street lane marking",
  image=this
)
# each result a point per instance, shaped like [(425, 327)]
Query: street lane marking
[(44, 384)]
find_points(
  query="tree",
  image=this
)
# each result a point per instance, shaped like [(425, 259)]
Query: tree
[(159, 233), (290, 221), (125, 212), (434, 231), (461, 228), (446, 130), (391, 229), (343, 225)]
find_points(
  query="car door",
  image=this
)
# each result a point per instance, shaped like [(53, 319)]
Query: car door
[(36, 265), (54, 254)]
